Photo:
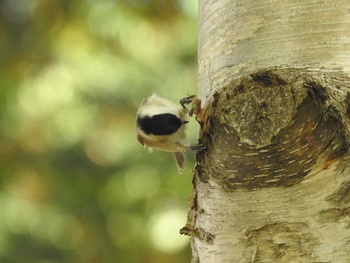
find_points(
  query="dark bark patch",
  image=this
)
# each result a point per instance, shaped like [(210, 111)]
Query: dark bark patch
[(347, 101), (271, 137), (316, 91), (239, 89), (268, 79)]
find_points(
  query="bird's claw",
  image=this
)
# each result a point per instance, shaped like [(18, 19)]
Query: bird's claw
[(198, 147), (187, 100)]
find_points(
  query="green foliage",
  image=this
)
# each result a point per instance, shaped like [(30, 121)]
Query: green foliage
[(75, 184)]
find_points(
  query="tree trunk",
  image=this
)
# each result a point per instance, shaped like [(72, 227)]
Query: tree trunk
[(274, 182)]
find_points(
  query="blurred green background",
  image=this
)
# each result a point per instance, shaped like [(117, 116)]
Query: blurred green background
[(75, 184)]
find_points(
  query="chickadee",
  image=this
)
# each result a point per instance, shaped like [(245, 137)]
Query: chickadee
[(161, 124)]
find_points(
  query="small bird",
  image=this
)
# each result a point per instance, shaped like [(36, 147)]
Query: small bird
[(161, 124)]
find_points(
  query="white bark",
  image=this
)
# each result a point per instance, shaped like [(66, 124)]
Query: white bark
[(237, 37), (274, 182)]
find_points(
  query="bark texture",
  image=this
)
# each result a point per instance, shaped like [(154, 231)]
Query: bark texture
[(274, 182), (238, 37)]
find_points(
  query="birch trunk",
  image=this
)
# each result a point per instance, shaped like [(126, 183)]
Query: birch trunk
[(274, 182)]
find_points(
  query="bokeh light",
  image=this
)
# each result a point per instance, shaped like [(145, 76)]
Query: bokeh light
[(164, 230), (76, 186)]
